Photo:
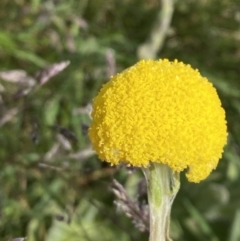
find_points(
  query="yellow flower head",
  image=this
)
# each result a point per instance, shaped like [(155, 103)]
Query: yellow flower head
[(160, 111)]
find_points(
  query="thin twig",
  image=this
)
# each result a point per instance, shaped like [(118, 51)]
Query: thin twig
[(153, 45), (50, 167), (87, 109), (18, 239), (52, 152), (83, 154), (95, 175), (8, 116), (111, 63)]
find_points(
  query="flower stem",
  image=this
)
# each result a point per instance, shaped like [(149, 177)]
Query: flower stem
[(163, 185)]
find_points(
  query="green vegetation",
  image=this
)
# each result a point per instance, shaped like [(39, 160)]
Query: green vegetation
[(52, 186)]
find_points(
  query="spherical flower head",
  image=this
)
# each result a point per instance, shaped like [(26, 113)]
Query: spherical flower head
[(160, 111)]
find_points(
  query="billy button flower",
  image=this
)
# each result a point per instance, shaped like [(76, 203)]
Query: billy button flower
[(164, 117)]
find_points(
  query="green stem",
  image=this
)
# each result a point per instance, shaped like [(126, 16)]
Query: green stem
[(163, 185), (153, 45)]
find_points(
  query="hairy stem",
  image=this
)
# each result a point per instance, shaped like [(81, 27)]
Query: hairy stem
[(163, 185)]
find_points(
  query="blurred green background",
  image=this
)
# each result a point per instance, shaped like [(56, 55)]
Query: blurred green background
[(52, 186)]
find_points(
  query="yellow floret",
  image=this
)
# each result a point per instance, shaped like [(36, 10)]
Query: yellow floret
[(160, 111)]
